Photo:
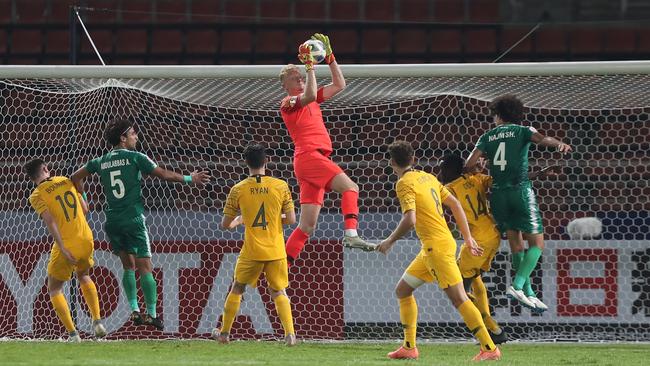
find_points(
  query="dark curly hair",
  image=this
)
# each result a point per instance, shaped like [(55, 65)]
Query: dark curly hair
[(32, 167), (115, 129), (508, 107)]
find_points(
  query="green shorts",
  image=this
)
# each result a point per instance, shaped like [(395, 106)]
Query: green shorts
[(516, 209), (129, 236)]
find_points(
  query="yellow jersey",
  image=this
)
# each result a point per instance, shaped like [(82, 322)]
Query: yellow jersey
[(422, 192), (471, 192), (261, 200), (60, 198)]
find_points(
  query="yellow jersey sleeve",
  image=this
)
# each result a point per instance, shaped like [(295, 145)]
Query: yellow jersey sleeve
[(485, 181), (444, 192), (406, 194), (37, 202), (287, 200), (231, 208)]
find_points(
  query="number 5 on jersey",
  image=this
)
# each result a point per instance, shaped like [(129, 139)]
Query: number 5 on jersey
[(116, 181)]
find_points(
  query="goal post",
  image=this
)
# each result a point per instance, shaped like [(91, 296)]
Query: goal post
[(201, 117)]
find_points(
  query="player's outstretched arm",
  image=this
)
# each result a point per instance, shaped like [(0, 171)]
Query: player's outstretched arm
[(547, 141), (549, 170), (198, 178), (56, 234), (470, 163), (405, 225), (338, 81), (461, 222)]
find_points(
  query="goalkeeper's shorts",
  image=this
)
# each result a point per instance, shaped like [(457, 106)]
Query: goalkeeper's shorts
[(314, 171), (516, 209), (436, 264)]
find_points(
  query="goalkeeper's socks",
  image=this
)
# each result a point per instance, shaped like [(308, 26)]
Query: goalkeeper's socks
[(63, 311), (230, 309), (283, 307), (473, 320), (130, 289), (350, 209), (527, 266), (408, 316), (150, 290), (295, 243), (89, 292)]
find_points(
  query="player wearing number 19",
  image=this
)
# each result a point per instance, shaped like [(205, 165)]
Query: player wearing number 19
[(120, 172), (63, 210), (513, 201), (262, 204)]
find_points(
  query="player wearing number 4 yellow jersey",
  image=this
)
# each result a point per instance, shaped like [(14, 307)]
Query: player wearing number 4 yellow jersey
[(421, 197), (63, 210), (262, 204)]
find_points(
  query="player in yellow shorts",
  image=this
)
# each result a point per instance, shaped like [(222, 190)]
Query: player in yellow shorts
[(421, 198), (262, 204), (57, 202), (471, 191)]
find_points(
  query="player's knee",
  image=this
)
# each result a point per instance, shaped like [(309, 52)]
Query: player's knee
[(84, 278), (352, 187)]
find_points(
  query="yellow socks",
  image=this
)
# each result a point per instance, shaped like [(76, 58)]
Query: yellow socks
[(408, 315), (63, 311), (89, 292), (283, 307), (230, 309), (473, 320), (483, 305)]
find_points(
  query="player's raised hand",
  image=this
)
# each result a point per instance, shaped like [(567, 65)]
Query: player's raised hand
[(305, 56), (474, 248), (329, 55), (564, 148), (200, 178), (384, 246)]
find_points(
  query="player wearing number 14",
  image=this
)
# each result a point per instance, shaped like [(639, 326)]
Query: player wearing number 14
[(120, 172)]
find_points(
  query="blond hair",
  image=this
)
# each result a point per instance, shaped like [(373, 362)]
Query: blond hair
[(287, 70)]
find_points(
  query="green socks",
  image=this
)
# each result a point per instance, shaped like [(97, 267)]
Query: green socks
[(128, 282), (150, 290), (525, 268)]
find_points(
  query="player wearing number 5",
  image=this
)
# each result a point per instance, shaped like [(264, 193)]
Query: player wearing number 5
[(63, 210), (262, 204), (513, 202), (120, 172)]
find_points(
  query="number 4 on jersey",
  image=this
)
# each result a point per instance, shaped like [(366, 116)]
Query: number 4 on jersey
[(260, 218), (500, 156)]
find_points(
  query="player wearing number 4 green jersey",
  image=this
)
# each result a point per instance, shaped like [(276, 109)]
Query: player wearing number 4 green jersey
[(513, 202), (120, 172)]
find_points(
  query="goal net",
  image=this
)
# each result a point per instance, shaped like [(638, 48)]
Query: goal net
[(202, 117)]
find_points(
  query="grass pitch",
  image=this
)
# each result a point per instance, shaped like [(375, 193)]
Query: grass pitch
[(275, 353)]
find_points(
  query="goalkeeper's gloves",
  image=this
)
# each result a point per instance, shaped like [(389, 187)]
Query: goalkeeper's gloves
[(329, 55), (304, 55)]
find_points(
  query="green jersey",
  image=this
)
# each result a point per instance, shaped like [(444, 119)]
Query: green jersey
[(506, 147), (120, 173)]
